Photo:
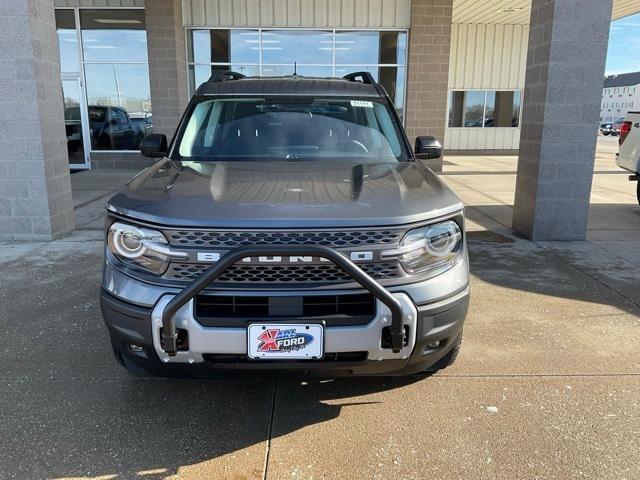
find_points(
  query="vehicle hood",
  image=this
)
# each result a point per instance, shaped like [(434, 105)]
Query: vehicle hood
[(284, 195)]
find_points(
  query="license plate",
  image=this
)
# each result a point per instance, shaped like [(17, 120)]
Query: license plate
[(289, 341)]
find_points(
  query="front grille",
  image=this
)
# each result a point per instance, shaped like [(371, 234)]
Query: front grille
[(269, 274), (234, 239), (217, 310)]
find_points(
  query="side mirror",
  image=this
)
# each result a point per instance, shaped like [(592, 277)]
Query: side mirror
[(427, 148), (154, 145)]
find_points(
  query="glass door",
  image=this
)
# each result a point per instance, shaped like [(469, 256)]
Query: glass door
[(75, 123)]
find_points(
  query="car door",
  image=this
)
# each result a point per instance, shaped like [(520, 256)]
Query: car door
[(123, 132)]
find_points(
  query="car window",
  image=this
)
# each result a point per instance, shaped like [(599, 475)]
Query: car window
[(291, 128), (119, 116), (96, 114)]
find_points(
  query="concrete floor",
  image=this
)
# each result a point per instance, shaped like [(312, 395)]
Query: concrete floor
[(547, 384)]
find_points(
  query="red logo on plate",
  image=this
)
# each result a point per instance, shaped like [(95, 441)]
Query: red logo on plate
[(268, 339)]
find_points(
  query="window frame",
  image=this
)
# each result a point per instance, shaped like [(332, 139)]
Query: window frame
[(333, 65), (484, 108)]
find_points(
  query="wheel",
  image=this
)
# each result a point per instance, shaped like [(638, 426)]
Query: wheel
[(449, 358), (638, 191)]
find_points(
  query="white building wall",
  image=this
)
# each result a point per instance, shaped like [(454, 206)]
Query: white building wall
[(617, 101), (298, 13), (486, 57)]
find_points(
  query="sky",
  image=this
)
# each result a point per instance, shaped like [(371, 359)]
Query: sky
[(624, 46)]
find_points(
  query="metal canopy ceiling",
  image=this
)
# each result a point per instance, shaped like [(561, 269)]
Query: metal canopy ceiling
[(516, 12)]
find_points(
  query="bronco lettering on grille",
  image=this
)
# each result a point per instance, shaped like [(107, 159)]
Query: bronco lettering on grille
[(211, 257)]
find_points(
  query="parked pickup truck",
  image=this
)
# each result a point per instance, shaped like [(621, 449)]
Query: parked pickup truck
[(628, 156), (288, 227)]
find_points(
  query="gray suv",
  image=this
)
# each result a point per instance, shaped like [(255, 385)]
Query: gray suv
[(288, 227)]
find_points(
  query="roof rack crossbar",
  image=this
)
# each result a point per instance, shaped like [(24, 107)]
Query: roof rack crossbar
[(224, 75), (366, 77)]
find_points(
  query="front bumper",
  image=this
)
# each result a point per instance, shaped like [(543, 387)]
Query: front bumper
[(441, 322), (424, 321)]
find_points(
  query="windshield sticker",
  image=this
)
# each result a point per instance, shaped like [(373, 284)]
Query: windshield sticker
[(361, 103)]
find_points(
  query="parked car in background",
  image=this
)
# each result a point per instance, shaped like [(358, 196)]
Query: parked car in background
[(609, 129), (113, 129), (143, 122), (628, 156)]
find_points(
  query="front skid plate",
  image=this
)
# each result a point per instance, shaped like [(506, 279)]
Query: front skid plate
[(361, 338)]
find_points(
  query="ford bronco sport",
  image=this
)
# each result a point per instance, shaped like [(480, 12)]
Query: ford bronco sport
[(288, 227)]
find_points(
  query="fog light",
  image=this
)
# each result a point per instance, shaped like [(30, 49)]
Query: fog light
[(135, 348), (435, 344)]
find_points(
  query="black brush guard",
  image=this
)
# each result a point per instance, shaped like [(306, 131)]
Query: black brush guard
[(169, 336)]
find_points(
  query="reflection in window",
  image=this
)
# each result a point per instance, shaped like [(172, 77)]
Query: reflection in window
[(68, 41), (484, 109), (224, 46), (117, 84), (503, 109), (370, 47), (303, 70), (119, 106), (473, 109), (113, 35), (316, 53), (300, 46)]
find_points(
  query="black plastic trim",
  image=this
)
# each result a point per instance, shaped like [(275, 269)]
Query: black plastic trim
[(169, 335)]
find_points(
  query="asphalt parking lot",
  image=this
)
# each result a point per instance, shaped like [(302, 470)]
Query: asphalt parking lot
[(547, 384)]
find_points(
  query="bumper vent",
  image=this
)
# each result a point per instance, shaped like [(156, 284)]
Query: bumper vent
[(334, 310), (341, 357)]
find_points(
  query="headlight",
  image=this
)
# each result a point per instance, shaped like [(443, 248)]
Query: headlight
[(140, 248), (433, 248)]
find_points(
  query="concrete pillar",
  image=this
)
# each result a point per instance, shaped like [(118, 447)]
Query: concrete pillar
[(563, 90), (35, 187), (167, 63), (428, 75)]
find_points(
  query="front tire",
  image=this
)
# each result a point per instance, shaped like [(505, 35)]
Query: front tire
[(638, 191)]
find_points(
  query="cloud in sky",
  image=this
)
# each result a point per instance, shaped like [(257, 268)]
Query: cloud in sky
[(624, 46)]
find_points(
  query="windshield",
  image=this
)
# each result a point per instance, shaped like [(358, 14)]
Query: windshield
[(290, 128)]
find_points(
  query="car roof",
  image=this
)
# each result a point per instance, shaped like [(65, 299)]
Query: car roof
[(291, 85)]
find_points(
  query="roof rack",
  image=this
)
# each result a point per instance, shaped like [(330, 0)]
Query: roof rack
[(365, 76), (224, 75)]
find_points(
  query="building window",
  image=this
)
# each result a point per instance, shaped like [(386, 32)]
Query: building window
[(68, 41), (114, 48), (318, 53), (484, 108)]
